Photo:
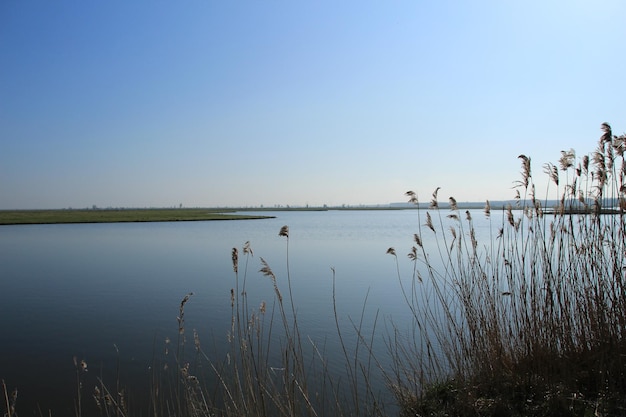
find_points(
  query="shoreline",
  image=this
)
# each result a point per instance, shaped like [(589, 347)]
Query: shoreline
[(148, 215), (86, 216)]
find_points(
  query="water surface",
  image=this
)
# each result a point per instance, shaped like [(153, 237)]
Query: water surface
[(93, 290)]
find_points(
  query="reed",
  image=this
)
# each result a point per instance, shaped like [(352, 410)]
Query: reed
[(269, 368), (527, 319), (9, 400), (532, 322)]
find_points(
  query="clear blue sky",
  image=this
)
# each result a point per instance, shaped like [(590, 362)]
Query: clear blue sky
[(213, 103)]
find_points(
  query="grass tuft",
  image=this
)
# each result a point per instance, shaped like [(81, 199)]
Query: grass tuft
[(534, 323)]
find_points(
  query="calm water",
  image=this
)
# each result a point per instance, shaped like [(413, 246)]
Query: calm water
[(86, 290)]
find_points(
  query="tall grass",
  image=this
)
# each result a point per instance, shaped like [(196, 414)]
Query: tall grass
[(269, 369), (9, 400), (530, 320), (533, 321)]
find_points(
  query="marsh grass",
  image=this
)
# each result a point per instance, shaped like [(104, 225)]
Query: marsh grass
[(533, 321), (16, 217), (529, 319), (9, 400), (269, 368)]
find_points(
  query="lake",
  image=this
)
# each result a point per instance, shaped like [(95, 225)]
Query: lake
[(109, 292)]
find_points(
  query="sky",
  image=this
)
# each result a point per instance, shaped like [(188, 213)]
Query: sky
[(202, 103)]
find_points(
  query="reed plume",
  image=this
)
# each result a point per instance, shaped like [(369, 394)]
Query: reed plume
[(567, 159), (526, 174), (267, 271), (429, 223), (532, 324), (247, 250), (181, 313), (433, 202), (552, 171), (607, 133), (453, 204), (412, 197), (235, 259), (417, 239)]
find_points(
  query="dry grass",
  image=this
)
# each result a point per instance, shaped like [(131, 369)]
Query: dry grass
[(534, 321), (530, 320), (9, 400), (269, 370)]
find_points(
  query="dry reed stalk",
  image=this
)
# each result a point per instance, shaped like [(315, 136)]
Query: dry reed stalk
[(81, 370), (9, 403), (545, 305)]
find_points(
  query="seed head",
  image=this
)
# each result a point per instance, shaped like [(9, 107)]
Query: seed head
[(247, 249), (412, 196), (525, 172), (429, 222), (433, 202), (567, 159), (417, 239), (453, 205), (235, 257), (607, 134)]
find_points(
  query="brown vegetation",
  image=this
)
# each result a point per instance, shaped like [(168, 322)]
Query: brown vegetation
[(532, 321)]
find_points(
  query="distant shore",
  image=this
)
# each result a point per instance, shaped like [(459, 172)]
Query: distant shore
[(127, 215), (17, 217)]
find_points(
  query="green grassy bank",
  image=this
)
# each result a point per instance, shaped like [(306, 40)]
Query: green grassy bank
[(12, 217)]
